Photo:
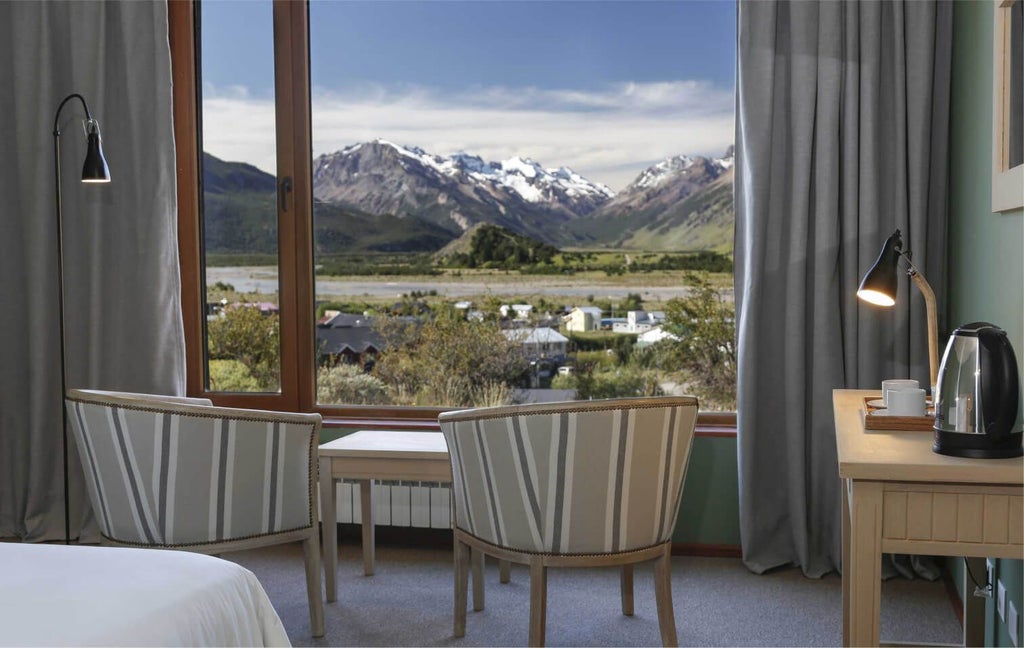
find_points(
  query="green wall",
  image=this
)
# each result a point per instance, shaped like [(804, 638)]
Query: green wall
[(986, 250), (710, 511)]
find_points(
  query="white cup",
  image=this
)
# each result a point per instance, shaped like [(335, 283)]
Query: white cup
[(896, 384), (906, 402)]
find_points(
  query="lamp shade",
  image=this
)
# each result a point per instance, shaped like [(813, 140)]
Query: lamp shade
[(879, 284), (95, 167)]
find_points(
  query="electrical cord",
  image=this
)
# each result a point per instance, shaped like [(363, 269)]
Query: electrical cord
[(979, 590)]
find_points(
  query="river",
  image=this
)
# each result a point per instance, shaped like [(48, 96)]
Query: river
[(264, 280)]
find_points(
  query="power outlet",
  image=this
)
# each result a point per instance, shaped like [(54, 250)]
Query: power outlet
[(1012, 623), (1001, 600)]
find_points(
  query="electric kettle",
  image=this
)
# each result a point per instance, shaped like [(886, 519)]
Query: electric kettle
[(978, 395)]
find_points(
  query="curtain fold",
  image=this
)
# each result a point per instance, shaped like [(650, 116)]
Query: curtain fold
[(842, 128), (122, 289)]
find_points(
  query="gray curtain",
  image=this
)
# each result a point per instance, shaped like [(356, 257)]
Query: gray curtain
[(122, 295), (842, 117)]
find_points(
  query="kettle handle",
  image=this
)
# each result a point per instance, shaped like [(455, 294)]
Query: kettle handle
[(1000, 386)]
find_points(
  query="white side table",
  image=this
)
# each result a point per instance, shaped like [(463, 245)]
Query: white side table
[(368, 455)]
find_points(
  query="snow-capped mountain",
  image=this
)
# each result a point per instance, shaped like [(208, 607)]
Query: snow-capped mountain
[(457, 191), (384, 197), (670, 180), (683, 202)]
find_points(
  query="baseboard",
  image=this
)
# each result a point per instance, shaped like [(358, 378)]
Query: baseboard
[(954, 595), (386, 535), (442, 538), (706, 550)]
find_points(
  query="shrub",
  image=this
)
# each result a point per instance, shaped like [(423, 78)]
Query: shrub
[(346, 383), (232, 376)]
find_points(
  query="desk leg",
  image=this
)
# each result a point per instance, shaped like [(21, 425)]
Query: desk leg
[(846, 576), (366, 502), (865, 565), (329, 524), (974, 607)]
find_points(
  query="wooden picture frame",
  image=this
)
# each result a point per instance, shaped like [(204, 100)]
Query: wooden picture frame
[(1007, 82)]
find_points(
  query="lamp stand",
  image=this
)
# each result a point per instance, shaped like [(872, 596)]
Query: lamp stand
[(94, 170), (933, 325), (60, 318)]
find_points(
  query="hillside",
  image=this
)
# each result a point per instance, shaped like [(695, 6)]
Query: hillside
[(492, 246), (240, 216)]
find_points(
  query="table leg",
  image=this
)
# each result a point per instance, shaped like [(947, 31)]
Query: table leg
[(329, 524), (846, 577), (476, 559), (865, 566), (366, 502)]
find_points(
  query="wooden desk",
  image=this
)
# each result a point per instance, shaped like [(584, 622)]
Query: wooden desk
[(900, 497), (368, 455)]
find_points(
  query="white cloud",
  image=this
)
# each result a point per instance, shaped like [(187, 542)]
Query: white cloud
[(608, 135)]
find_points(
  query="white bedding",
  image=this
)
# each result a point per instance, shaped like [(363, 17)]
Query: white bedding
[(81, 595)]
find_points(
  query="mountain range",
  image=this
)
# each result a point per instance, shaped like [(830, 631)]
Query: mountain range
[(382, 196)]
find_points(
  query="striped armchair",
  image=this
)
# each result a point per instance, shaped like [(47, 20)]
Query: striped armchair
[(573, 484), (178, 473)]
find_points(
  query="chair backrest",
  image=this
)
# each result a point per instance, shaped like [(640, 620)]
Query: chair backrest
[(576, 477), (164, 472)]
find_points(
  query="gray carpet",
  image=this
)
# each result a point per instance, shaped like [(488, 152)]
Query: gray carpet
[(408, 602)]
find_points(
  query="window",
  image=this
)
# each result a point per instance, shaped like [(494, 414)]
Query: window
[(454, 204)]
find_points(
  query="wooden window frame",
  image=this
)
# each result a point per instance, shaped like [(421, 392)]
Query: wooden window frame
[(295, 234), (1006, 180)]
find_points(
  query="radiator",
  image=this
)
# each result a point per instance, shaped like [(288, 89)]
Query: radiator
[(398, 503)]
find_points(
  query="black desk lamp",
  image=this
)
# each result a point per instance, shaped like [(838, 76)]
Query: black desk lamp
[(94, 170), (879, 287)]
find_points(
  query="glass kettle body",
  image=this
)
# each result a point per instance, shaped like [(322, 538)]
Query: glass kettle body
[(978, 395)]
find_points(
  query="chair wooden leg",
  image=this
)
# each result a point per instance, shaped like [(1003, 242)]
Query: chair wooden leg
[(477, 560), (461, 586), (311, 552), (663, 597), (538, 600), (504, 571), (626, 582)]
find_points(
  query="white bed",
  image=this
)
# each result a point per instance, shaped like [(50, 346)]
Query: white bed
[(82, 595)]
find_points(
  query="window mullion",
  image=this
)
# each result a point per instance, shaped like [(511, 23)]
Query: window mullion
[(295, 209)]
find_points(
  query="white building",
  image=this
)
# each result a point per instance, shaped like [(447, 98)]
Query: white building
[(656, 334), (520, 311), (539, 342), (582, 319), (639, 321)]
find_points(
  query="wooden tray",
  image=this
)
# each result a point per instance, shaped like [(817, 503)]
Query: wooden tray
[(874, 423)]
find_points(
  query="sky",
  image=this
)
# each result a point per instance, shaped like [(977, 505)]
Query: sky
[(606, 88)]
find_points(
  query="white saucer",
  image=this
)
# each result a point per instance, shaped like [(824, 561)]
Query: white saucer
[(880, 412), (878, 402)]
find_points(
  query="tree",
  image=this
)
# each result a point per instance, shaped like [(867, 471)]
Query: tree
[(706, 349), (232, 376), (633, 301), (590, 380), (448, 361), (244, 334), (347, 383)]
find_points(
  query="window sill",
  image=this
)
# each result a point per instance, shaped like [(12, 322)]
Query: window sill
[(718, 424)]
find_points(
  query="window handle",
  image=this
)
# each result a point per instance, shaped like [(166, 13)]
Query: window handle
[(283, 191)]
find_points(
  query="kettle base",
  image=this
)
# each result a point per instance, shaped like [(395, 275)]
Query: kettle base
[(977, 446)]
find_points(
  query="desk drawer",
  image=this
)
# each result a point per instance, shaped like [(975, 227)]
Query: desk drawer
[(947, 516)]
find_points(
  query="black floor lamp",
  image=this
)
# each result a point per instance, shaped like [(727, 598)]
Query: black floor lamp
[(94, 170)]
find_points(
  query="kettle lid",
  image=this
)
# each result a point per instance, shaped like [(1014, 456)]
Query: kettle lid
[(978, 328)]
